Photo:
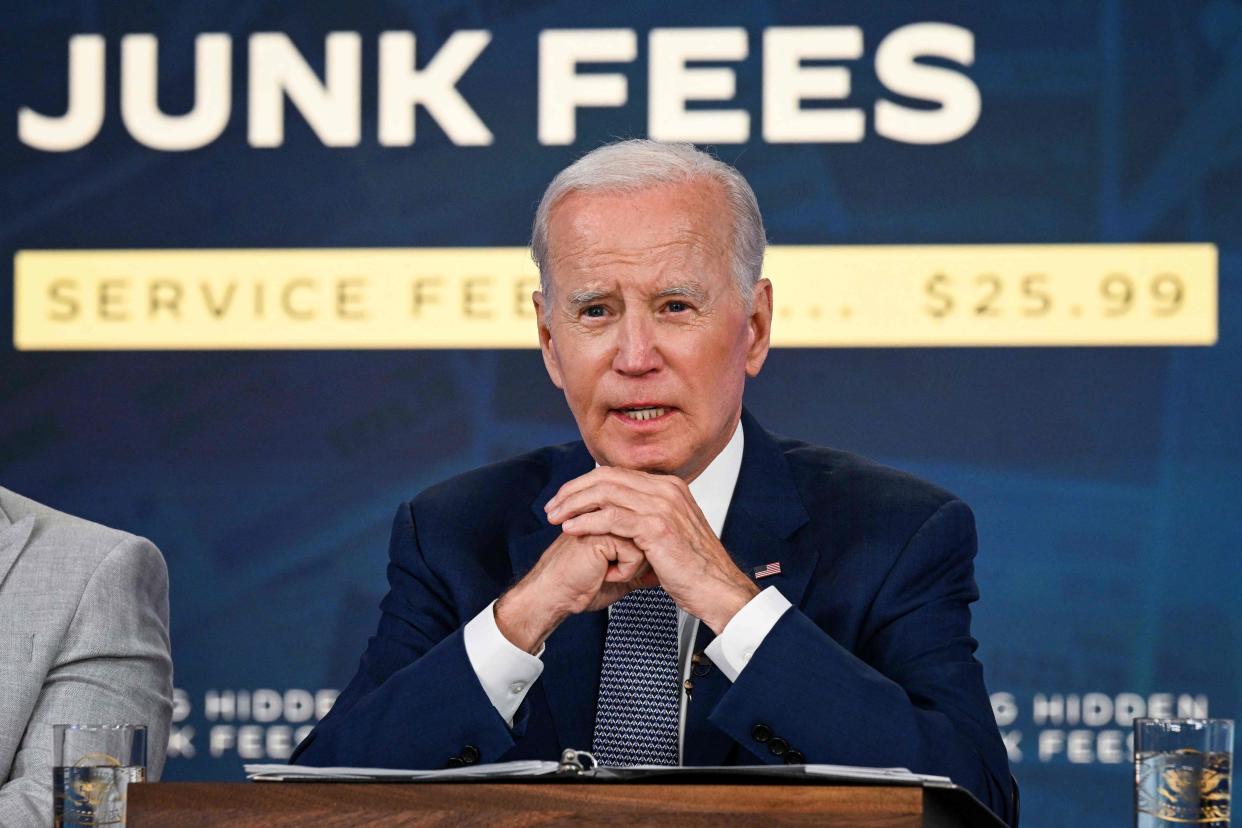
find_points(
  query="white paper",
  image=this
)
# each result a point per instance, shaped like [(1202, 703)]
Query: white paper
[(847, 772), (275, 773), (530, 767)]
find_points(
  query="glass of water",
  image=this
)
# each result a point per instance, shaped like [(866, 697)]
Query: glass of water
[(1182, 772), (93, 766)]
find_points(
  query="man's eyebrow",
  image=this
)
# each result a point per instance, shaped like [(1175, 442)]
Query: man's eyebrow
[(585, 297), (691, 290)]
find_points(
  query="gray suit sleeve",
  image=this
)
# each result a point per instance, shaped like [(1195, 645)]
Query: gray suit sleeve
[(113, 667)]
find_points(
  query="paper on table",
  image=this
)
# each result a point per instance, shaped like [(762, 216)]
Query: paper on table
[(827, 773), (847, 772), (889, 774), (278, 773), (843, 773)]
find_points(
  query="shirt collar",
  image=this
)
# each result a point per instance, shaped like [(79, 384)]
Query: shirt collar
[(713, 489)]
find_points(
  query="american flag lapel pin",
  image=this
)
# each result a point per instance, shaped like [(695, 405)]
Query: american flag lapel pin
[(764, 571)]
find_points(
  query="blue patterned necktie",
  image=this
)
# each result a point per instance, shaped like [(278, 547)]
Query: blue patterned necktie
[(637, 714)]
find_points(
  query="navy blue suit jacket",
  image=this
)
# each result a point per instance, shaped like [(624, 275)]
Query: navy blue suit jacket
[(873, 665)]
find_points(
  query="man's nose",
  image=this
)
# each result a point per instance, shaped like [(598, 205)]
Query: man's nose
[(638, 352)]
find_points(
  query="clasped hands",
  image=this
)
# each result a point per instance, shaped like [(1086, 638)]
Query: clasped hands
[(623, 530)]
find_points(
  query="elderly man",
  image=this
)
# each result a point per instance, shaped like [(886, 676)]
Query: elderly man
[(680, 587)]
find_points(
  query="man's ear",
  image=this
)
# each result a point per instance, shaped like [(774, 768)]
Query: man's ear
[(759, 328), (550, 362)]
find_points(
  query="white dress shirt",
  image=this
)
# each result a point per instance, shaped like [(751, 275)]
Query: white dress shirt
[(506, 671)]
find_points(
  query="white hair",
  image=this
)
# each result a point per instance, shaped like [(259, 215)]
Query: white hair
[(635, 164)]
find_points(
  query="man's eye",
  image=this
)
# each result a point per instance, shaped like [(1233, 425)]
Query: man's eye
[(594, 311), (677, 307)]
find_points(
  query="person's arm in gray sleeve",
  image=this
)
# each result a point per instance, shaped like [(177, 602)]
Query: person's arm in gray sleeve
[(113, 667)]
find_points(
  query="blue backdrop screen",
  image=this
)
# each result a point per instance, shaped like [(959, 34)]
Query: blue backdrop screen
[(1105, 479)]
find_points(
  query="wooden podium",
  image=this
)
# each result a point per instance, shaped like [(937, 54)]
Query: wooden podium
[(551, 802)]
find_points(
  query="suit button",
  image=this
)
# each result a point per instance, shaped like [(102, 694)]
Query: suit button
[(470, 754), (794, 757), (454, 762), (701, 665), (777, 746), (761, 733)]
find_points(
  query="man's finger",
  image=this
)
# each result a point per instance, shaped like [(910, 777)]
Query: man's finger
[(619, 554), (599, 496), (588, 497), (627, 570), (603, 474), (607, 521)]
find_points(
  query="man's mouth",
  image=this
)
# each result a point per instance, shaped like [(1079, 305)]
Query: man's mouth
[(644, 413)]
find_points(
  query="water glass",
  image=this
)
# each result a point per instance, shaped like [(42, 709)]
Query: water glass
[(1182, 772), (92, 767)]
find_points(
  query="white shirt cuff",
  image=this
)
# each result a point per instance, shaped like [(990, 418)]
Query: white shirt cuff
[(732, 649), (505, 670)]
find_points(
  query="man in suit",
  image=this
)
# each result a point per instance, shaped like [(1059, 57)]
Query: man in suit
[(631, 567), (83, 640)]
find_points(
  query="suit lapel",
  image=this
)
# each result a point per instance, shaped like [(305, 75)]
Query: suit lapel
[(13, 538), (763, 516), (575, 651)]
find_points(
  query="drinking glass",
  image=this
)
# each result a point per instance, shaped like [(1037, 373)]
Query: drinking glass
[(93, 766), (1182, 772)]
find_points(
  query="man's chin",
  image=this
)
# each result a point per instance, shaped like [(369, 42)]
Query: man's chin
[(645, 459)]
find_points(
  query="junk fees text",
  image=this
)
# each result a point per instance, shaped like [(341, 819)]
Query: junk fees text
[(925, 95)]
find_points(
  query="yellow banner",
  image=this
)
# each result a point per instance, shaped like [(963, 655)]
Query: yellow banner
[(479, 297)]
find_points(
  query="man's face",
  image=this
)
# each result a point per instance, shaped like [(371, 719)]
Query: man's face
[(644, 330)]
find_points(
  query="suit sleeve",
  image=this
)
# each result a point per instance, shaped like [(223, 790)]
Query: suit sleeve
[(913, 696), (415, 701), (113, 667)]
